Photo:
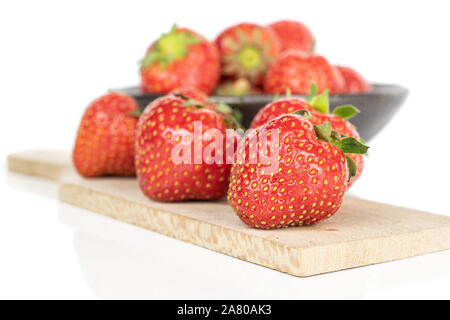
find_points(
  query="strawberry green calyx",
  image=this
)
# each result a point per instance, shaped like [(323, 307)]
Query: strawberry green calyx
[(249, 58), (352, 168), (323, 131), (240, 87), (312, 93), (194, 103), (346, 111), (135, 113), (287, 95), (288, 92), (304, 113), (321, 103), (345, 144), (170, 47), (232, 117)]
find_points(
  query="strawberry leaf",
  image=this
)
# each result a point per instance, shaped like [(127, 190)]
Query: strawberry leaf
[(346, 111), (312, 93), (224, 108), (352, 169), (192, 102), (232, 117), (135, 113), (321, 102), (303, 113), (323, 131), (237, 115), (351, 145), (288, 92)]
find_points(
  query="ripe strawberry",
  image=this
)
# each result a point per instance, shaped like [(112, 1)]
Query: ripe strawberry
[(294, 35), (309, 184), (180, 58), (168, 170), (296, 71), (354, 82), (105, 139), (247, 50), (319, 110)]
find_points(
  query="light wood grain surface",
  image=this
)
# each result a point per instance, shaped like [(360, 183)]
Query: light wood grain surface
[(361, 233)]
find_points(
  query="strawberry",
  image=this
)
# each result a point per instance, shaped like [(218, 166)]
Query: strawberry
[(171, 164), (105, 141), (296, 71), (294, 35), (247, 50), (319, 110), (237, 88), (354, 82), (180, 58), (310, 181)]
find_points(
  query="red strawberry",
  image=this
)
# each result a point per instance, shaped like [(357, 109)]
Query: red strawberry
[(310, 181), (354, 82), (319, 111), (296, 71), (180, 58), (247, 50), (192, 93), (294, 35), (168, 170), (105, 139)]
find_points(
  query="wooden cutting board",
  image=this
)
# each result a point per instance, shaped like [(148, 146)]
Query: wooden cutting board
[(361, 233)]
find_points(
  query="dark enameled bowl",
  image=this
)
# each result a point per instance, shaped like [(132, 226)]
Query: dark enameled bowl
[(377, 107)]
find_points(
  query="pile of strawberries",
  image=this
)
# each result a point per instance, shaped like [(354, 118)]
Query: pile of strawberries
[(292, 168), (244, 59)]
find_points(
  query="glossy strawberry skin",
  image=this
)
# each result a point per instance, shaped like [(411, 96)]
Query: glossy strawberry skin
[(200, 69), (159, 177), (105, 140), (354, 82), (307, 188), (290, 105), (266, 37), (294, 35), (297, 71)]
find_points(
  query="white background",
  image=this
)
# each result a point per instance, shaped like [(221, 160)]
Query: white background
[(56, 56)]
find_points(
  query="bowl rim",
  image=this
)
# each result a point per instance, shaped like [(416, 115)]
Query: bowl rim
[(378, 89)]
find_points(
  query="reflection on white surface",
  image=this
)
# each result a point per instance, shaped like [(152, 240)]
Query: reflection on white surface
[(37, 186), (121, 260)]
